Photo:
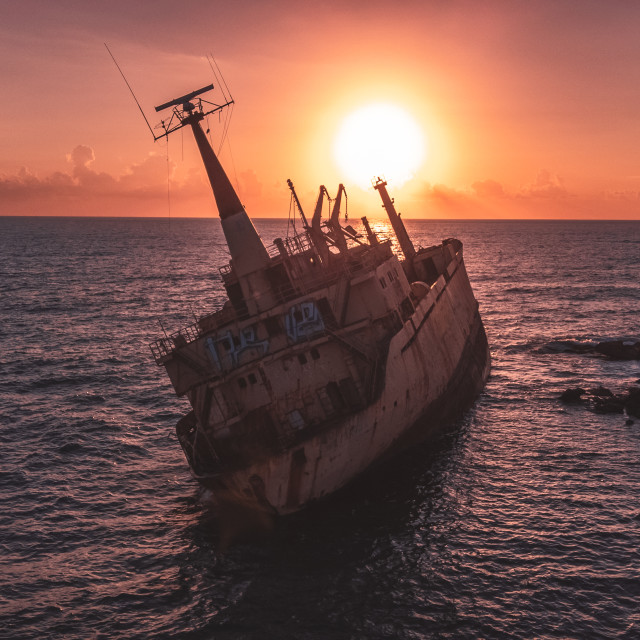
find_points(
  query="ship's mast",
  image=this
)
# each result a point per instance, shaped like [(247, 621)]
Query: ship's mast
[(396, 222), (245, 246), (249, 257)]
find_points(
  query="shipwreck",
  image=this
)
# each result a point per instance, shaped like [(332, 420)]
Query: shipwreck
[(331, 352)]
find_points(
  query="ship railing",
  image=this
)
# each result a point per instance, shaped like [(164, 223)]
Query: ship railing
[(161, 348), (341, 270), (165, 346), (294, 245), (273, 251), (369, 260), (213, 321), (297, 244)]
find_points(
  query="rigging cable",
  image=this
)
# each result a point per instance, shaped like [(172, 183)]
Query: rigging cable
[(226, 94), (130, 89), (227, 123), (222, 81), (168, 184)]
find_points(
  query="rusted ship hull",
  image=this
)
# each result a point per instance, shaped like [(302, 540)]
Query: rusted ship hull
[(437, 365), (330, 353)]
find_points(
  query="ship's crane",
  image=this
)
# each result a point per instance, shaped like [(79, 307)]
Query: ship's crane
[(334, 221), (318, 237), (314, 231), (294, 195)]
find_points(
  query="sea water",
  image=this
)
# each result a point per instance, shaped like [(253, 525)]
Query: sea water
[(521, 520)]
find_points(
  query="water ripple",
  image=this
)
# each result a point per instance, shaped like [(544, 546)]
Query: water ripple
[(521, 520)]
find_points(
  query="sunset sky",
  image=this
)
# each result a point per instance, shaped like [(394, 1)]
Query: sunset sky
[(528, 109)]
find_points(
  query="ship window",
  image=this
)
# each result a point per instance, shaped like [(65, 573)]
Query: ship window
[(383, 283), (252, 378), (242, 383), (315, 354), (273, 326), (296, 420), (302, 359), (335, 396)]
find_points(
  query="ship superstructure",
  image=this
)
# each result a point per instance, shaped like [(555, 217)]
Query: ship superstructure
[(330, 352)]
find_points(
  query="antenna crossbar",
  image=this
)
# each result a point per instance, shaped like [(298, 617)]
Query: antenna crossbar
[(182, 100), (184, 112)]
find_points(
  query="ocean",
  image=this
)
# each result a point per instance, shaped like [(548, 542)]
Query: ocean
[(521, 520)]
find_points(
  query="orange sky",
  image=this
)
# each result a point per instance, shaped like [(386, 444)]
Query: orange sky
[(530, 108)]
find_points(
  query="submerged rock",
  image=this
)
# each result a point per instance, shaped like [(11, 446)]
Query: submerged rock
[(613, 404), (632, 405), (567, 346), (601, 392), (619, 350), (614, 349), (602, 400), (572, 395)]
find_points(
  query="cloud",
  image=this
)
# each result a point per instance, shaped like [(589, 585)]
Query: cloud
[(152, 187), (84, 191), (546, 185), (545, 197), (488, 189), (81, 156)]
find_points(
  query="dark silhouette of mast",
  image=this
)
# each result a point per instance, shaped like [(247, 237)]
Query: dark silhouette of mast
[(249, 257), (396, 222)]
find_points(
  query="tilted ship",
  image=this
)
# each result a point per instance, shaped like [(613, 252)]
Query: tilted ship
[(330, 353)]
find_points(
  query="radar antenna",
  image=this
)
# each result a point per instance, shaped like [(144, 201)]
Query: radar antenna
[(185, 111)]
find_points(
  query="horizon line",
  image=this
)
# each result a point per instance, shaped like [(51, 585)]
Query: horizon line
[(283, 218)]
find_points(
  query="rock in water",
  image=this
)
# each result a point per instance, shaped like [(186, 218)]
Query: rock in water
[(601, 392), (604, 404), (632, 405), (619, 350), (572, 395)]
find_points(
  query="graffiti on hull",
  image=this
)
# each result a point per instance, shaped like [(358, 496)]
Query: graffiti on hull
[(303, 320), (225, 350)]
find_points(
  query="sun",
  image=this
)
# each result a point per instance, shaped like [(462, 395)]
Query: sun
[(379, 140)]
